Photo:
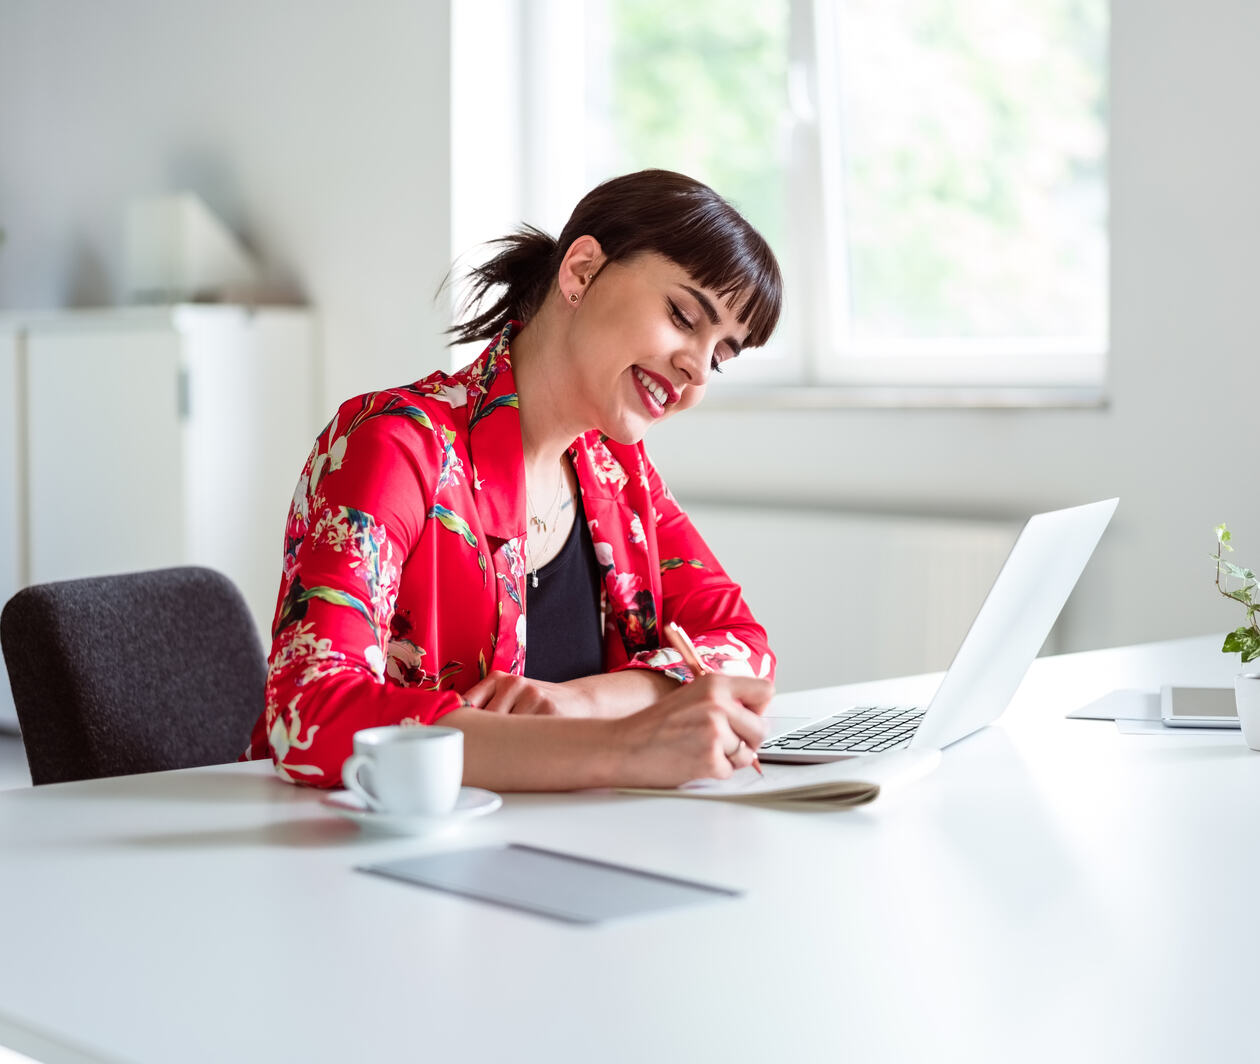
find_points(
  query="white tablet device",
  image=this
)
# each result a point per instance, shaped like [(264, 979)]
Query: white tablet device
[(1198, 707)]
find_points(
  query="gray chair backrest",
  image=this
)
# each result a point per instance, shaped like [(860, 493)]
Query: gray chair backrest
[(134, 673)]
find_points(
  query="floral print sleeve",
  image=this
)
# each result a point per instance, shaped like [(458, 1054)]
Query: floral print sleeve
[(697, 593), (354, 518)]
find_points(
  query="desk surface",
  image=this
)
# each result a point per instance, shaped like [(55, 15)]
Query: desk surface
[(1054, 891)]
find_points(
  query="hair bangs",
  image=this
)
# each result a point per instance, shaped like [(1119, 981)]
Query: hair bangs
[(726, 255)]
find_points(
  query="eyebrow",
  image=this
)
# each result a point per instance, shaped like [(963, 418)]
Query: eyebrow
[(710, 312)]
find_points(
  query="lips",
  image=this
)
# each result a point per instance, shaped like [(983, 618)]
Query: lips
[(655, 392)]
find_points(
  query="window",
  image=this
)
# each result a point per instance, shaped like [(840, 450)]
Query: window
[(932, 173)]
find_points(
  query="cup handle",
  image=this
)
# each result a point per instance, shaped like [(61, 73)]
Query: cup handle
[(350, 777)]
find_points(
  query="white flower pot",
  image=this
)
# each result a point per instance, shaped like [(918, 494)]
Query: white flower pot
[(1247, 696)]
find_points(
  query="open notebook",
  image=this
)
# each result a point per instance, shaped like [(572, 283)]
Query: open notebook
[(838, 783)]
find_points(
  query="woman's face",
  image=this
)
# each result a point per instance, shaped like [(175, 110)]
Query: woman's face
[(644, 339)]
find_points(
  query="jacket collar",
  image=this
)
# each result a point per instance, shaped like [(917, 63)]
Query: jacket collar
[(494, 439)]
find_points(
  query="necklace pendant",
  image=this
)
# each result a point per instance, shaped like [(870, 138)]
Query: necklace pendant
[(533, 578), (539, 523)]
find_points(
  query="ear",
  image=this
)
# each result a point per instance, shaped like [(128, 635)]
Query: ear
[(580, 263)]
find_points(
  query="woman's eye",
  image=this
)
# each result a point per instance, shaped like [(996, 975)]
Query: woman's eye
[(678, 315), (716, 364)]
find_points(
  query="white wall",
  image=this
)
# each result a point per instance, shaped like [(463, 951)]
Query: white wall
[(321, 133), (318, 131), (1178, 442)]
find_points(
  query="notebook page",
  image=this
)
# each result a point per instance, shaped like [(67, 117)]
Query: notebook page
[(854, 780)]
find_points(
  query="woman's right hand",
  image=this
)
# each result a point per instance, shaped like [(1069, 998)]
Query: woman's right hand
[(704, 730)]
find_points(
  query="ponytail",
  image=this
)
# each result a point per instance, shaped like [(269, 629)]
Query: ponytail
[(524, 267)]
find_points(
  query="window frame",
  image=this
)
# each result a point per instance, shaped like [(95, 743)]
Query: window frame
[(812, 361), (1073, 366)]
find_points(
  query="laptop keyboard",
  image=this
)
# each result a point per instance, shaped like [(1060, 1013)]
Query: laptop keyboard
[(867, 729)]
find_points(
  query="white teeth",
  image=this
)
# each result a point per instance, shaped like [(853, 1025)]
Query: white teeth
[(658, 393)]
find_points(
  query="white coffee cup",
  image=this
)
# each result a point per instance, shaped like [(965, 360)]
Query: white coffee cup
[(406, 769)]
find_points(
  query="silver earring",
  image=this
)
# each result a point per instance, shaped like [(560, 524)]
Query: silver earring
[(572, 297)]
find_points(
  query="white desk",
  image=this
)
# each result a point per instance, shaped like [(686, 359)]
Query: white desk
[(1056, 891)]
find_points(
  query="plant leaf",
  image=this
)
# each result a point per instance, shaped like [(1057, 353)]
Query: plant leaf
[(1245, 641), (1243, 594), (1223, 534), (1237, 571)]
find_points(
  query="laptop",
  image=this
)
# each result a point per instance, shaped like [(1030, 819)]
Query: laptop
[(1011, 627)]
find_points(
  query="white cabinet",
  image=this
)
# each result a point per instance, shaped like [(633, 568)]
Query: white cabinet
[(150, 437)]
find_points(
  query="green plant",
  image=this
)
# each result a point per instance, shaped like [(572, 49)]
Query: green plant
[(1244, 640)]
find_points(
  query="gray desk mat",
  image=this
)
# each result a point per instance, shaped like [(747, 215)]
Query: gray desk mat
[(559, 885)]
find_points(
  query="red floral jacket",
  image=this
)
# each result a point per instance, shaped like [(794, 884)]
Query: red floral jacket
[(404, 573)]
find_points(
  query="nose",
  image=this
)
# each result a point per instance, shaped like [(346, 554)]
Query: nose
[(694, 363)]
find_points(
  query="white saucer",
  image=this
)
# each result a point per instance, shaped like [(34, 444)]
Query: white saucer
[(472, 802)]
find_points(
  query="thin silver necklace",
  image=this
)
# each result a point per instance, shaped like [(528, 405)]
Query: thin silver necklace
[(546, 526)]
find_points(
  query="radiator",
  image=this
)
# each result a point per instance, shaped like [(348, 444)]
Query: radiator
[(850, 596)]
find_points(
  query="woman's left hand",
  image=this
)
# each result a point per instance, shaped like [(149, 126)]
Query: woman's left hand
[(503, 692)]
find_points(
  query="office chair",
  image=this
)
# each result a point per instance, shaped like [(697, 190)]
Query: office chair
[(141, 672)]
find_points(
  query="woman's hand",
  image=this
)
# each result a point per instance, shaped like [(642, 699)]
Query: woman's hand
[(704, 730), (504, 692)]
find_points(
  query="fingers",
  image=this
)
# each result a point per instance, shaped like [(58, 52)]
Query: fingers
[(742, 698), (751, 693), (499, 692), (528, 701), (482, 692), (735, 730), (740, 734), (744, 756), (704, 730), (505, 692)]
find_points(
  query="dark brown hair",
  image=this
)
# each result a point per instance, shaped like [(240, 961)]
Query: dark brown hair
[(652, 210)]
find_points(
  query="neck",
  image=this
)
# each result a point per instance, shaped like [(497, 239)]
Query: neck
[(548, 422)]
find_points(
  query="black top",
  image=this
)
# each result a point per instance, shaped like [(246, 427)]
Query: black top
[(562, 636)]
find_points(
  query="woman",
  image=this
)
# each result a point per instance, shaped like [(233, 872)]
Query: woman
[(430, 518)]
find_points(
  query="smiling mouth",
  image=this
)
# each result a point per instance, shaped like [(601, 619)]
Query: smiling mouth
[(652, 387)]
